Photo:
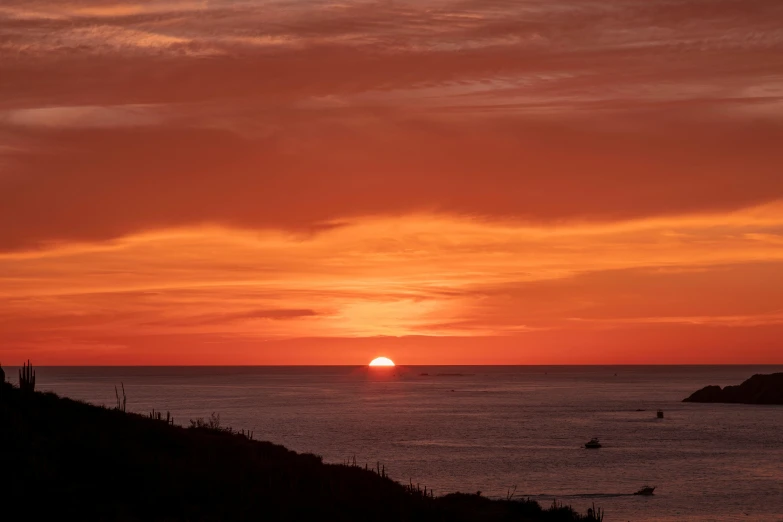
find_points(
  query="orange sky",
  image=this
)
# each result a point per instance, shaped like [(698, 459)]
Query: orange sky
[(438, 181)]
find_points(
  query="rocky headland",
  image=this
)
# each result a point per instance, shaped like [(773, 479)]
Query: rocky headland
[(759, 389)]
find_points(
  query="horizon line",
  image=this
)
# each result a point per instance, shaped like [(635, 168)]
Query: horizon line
[(384, 367)]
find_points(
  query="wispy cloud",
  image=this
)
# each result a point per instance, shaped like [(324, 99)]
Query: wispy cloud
[(83, 117), (423, 275)]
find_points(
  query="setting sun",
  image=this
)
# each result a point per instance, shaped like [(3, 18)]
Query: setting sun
[(381, 361)]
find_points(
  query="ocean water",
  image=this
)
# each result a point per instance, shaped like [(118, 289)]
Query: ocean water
[(492, 429)]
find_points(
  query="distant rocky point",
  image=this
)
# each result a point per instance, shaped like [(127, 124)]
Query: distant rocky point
[(759, 389)]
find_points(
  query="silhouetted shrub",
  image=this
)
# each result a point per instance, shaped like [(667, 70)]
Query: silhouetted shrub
[(213, 423)]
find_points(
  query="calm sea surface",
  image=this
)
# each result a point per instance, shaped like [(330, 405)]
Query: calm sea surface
[(494, 428)]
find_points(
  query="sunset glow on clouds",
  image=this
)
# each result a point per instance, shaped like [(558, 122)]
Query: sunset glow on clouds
[(303, 182)]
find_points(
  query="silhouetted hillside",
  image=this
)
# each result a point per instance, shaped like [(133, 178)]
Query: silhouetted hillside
[(759, 389), (63, 459)]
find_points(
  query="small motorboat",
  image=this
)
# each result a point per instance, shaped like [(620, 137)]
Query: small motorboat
[(593, 444), (646, 490)]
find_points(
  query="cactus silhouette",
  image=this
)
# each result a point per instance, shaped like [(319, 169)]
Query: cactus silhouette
[(27, 377), (2, 374), (121, 404)]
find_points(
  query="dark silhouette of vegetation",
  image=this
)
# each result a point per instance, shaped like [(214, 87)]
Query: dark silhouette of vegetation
[(156, 415), (121, 403), (27, 378), (68, 460), (213, 423)]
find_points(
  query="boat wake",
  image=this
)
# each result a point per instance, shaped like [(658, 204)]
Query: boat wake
[(544, 496)]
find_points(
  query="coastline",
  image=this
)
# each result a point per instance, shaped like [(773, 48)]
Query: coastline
[(97, 463)]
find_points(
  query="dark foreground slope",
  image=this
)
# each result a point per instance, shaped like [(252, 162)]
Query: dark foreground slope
[(66, 460), (759, 389)]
